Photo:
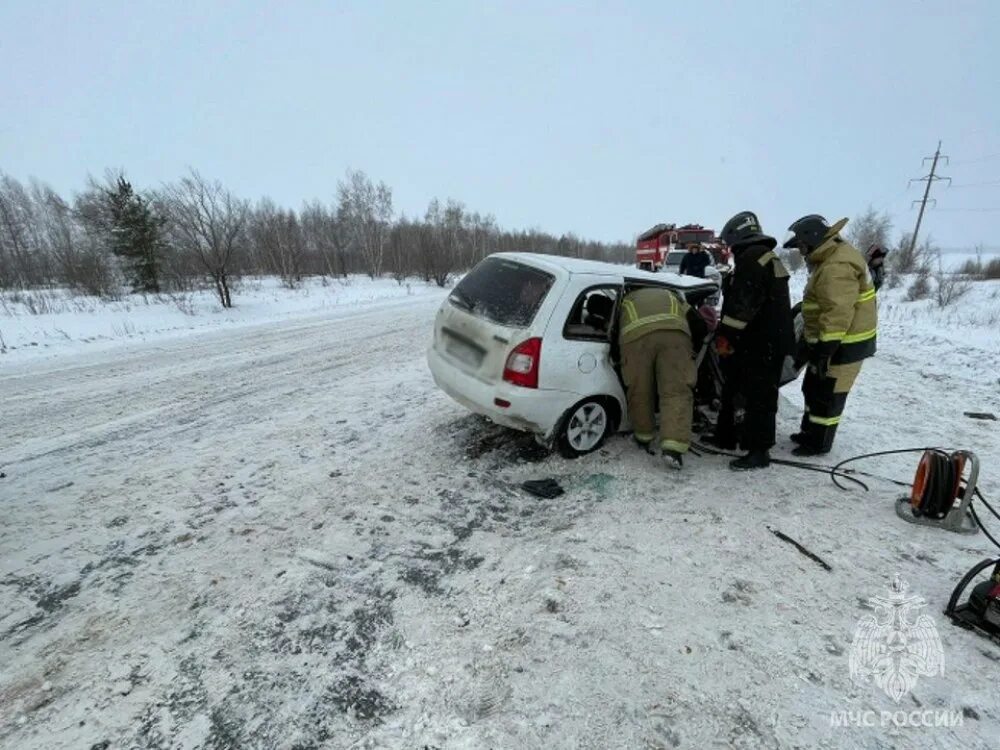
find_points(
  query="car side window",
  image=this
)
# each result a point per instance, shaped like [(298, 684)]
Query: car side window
[(593, 313)]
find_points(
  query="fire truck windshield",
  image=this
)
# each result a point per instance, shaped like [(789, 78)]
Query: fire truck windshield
[(687, 237)]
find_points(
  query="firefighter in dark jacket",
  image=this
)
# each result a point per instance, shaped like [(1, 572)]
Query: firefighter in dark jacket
[(659, 336), (840, 316), (754, 337)]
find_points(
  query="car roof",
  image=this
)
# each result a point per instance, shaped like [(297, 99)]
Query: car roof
[(600, 268)]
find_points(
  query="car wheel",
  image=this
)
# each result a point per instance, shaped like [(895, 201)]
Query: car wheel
[(584, 428), (796, 362)]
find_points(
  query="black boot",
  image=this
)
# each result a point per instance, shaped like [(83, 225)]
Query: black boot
[(806, 449), (673, 460), (799, 438), (646, 445), (752, 460)]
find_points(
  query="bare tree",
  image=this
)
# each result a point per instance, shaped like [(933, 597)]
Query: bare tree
[(326, 238), (403, 240), (438, 241), (366, 209), (277, 241), (88, 242), (19, 243), (904, 259), (483, 236), (951, 287), (870, 228), (207, 221)]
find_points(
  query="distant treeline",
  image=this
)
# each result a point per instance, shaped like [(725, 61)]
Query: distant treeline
[(112, 238)]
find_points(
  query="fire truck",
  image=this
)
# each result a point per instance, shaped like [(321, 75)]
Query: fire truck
[(664, 246)]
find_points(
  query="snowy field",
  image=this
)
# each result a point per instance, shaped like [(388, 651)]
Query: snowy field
[(274, 532), (953, 259), (39, 323)]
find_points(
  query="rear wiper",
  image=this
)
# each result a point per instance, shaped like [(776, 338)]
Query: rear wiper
[(461, 300)]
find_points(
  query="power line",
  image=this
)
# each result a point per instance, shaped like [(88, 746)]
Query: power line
[(968, 210), (978, 159), (976, 184), (929, 179)]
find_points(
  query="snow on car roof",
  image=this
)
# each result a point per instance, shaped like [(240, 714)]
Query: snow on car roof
[(579, 265)]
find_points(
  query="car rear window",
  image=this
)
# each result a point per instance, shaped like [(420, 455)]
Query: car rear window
[(675, 257), (503, 291)]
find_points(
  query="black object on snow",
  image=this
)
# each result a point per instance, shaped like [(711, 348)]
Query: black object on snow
[(547, 488), (812, 556), (981, 415)]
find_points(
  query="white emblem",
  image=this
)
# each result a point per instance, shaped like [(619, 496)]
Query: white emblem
[(896, 645)]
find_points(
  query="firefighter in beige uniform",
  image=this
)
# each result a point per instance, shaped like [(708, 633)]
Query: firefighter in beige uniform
[(656, 330), (839, 312)]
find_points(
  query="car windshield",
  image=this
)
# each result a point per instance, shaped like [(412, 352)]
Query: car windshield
[(675, 257), (503, 291)]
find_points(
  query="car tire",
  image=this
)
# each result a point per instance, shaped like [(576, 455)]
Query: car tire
[(795, 363), (584, 428)]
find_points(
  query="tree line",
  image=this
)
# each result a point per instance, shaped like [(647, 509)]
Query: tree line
[(112, 238)]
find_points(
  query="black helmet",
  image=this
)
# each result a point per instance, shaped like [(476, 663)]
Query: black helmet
[(810, 231), (744, 229)]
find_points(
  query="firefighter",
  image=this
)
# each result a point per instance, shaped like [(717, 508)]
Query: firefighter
[(754, 336), (838, 308), (656, 331)]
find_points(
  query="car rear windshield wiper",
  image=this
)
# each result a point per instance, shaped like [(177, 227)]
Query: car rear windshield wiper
[(461, 300)]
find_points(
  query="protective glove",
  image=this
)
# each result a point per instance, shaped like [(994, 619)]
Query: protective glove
[(723, 346)]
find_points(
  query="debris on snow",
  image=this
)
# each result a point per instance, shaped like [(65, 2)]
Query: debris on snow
[(811, 555)]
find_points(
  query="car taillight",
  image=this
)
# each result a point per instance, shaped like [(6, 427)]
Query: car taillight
[(522, 364)]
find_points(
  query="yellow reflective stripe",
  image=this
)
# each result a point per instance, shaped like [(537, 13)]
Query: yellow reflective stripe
[(812, 340), (854, 338), (825, 421), (674, 445), (739, 325), (865, 296), (767, 258), (630, 312), (810, 305), (647, 320), (832, 336), (644, 437)]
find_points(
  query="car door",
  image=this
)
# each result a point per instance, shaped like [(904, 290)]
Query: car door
[(577, 348)]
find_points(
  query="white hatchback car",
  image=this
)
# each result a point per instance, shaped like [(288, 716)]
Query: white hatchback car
[(527, 341)]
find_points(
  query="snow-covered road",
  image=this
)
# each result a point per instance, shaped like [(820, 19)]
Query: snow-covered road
[(284, 537)]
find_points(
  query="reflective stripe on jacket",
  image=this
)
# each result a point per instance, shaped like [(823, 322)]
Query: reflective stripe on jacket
[(838, 306), (756, 309), (651, 309)]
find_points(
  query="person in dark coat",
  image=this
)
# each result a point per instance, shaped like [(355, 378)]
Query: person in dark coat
[(876, 265), (755, 335), (695, 262)]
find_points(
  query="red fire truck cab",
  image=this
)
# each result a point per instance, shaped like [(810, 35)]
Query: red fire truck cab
[(664, 246)]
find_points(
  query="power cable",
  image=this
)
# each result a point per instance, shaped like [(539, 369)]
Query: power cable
[(976, 184), (967, 210), (978, 159), (838, 472)]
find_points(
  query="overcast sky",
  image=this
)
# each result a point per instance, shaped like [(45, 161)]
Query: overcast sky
[(566, 116)]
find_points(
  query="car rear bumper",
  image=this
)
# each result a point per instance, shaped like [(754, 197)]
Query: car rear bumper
[(531, 410)]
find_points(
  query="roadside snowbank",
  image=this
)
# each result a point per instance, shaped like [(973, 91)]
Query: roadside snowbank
[(56, 321)]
